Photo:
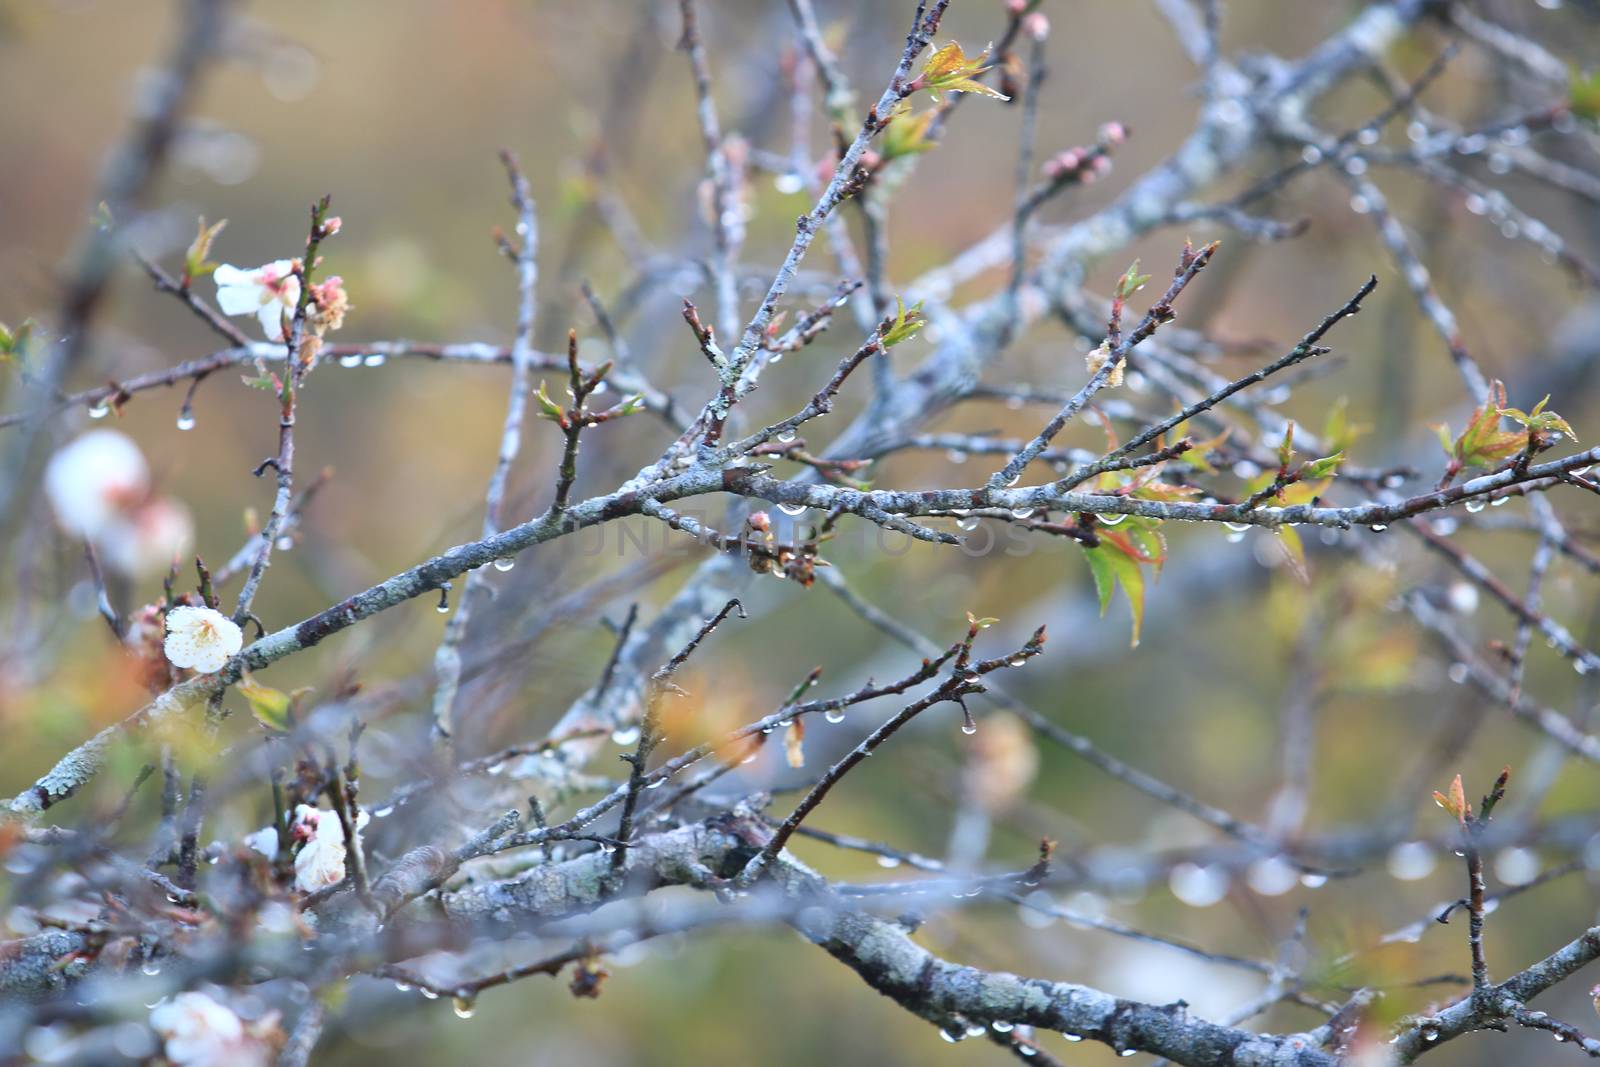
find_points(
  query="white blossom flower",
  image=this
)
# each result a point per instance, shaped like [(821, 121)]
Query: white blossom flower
[(94, 480), (201, 638), (320, 861), (200, 1032), (269, 292), (99, 489), (146, 540)]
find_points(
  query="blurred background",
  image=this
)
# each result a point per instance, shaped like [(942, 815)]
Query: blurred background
[(398, 109)]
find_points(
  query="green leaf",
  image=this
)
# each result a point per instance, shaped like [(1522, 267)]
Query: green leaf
[(1339, 431), (1584, 94), (906, 323), (1286, 447), (270, 706), (1105, 579), (1539, 419), (14, 343), (1110, 565), (1132, 579), (1131, 282), (550, 409), (907, 134), (265, 382), (1322, 468)]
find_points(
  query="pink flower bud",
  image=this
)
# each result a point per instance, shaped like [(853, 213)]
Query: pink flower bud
[(1113, 133), (1036, 26), (330, 226)]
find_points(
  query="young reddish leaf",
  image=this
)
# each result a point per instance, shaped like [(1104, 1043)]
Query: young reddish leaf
[(1456, 802), (794, 743), (950, 71), (195, 263), (1483, 443)]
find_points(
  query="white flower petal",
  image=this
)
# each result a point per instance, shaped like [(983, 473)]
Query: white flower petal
[(264, 841), (228, 274), (240, 299), (271, 316)]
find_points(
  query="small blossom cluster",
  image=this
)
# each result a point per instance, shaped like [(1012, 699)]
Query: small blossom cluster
[(271, 292), (199, 1031), (99, 488), (319, 863), (1085, 165)]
